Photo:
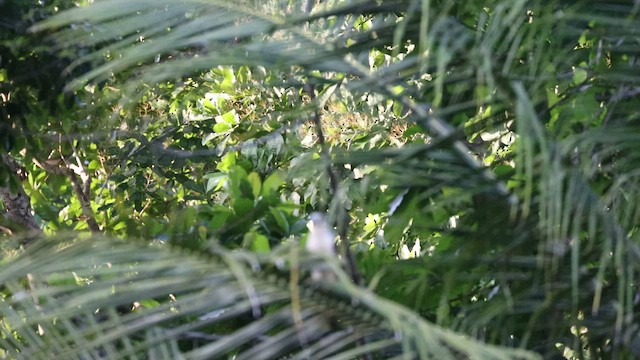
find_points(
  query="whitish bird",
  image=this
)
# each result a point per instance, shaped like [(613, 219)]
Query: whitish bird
[(321, 239)]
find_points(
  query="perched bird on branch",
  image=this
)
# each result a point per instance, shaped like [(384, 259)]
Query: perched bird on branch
[(321, 241), (321, 238)]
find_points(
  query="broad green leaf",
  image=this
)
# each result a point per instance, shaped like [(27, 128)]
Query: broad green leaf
[(227, 161), (243, 206), (256, 183), (256, 242), (272, 183), (221, 128), (230, 118)]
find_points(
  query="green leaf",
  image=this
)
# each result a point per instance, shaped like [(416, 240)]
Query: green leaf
[(272, 183), (219, 217), (149, 303), (243, 206), (256, 242), (221, 128), (281, 219), (256, 183), (227, 161), (94, 165), (208, 105), (579, 75), (238, 185), (230, 117), (215, 181)]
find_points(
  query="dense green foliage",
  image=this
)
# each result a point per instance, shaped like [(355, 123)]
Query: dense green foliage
[(475, 158)]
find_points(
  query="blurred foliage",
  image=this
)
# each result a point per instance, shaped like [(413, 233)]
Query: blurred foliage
[(477, 158)]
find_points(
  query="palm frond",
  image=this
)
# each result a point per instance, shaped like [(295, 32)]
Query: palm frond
[(105, 298), (577, 230), (566, 248)]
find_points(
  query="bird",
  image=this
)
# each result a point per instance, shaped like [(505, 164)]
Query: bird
[(321, 241), (321, 238)]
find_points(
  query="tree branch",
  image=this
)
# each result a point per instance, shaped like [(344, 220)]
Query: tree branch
[(342, 218), (80, 187), (18, 215)]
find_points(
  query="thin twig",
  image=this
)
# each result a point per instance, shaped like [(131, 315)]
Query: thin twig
[(342, 216)]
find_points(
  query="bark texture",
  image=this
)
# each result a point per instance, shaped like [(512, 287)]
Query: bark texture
[(18, 214)]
